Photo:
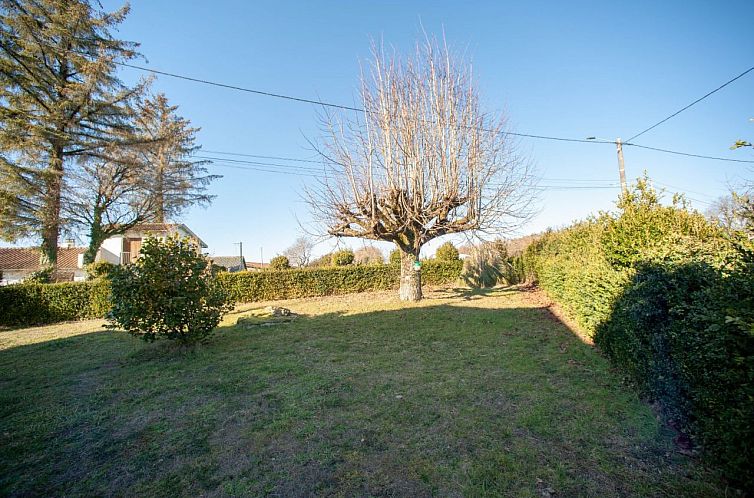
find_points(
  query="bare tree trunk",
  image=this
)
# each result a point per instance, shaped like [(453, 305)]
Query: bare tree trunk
[(411, 280), (160, 191)]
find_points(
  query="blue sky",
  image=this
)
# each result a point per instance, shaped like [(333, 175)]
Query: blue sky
[(570, 69)]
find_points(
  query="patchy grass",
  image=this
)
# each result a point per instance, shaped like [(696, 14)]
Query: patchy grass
[(479, 394)]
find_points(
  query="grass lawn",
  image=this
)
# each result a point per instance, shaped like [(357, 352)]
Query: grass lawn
[(463, 394)]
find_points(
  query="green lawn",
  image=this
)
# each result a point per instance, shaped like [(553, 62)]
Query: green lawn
[(484, 394)]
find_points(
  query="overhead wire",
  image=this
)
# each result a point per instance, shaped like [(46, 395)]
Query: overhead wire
[(357, 109), (692, 104)]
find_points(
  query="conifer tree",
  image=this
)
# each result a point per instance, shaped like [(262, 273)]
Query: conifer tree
[(173, 180), (59, 98)]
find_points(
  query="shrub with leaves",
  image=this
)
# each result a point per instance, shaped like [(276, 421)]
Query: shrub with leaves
[(668, 297), (99, 269), (43, 276), (280, 263), (343, 257), (170, 292), (447, 252), (395, 257)]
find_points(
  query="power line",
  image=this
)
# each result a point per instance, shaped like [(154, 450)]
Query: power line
[(239, 88), (281, 158), (667, 151), (323, 103), (356, 109), (691, 104)]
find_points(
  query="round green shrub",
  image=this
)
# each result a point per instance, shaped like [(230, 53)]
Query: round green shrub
[(343, 257), (43, 276), (280, 263), (99, 269), (447, 252), (170, 292)]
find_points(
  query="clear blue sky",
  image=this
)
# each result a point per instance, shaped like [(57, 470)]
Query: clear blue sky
[(572, 69)]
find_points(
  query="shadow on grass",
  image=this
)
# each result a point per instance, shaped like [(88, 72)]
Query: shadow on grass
[(432, 400)]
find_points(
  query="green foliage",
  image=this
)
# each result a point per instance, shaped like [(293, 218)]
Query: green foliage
[(395, 257), (323, 261), (43, 276), (343, 257), (36, 304), (169, 292), (79, 96), (447, 252), (311, 282), (39, 304), (99, 269), (669, 298), (280, 263)]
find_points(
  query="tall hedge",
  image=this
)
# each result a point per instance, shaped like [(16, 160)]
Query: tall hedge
[(38, 304), (669, 298), (313, 282)]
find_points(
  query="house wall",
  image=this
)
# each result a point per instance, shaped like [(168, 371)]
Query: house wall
[(111, 249), (13, 277)]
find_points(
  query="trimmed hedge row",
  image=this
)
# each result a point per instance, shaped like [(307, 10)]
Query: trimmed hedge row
[(289, 284), (669, 298), (38, 304)]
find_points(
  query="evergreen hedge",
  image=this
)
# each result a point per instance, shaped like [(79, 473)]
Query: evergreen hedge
[(669, 298), (312, 282), (38, 304)]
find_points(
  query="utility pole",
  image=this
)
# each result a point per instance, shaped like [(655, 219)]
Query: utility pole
[(261, 256), (240, 248), (621, 166)]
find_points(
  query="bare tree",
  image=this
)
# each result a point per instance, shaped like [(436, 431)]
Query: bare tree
[(422, 161), (368, 255), (300, 252), (105, 197)]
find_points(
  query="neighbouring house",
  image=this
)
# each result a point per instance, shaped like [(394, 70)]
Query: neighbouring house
[(255, 266), (17, 263), (124, 249), (230, 263)]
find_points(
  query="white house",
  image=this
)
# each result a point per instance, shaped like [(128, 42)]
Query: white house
[(123, 249)]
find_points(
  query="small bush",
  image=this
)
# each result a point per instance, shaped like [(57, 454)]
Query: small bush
[(43, 276), (342, 258), (169, 292), (395, 257), (447, 252), (323, 261), (99, 269), (279, 263)]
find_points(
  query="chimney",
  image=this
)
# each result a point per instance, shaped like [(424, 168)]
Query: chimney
[(69, 243)]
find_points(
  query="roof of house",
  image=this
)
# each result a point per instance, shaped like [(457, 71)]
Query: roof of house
[(232, 263), (27, 258), (166, 227)]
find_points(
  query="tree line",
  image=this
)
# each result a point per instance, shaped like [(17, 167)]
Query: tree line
[(80, 151)]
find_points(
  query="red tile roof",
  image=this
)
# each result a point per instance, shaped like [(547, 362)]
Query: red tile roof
[(27, 258)]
